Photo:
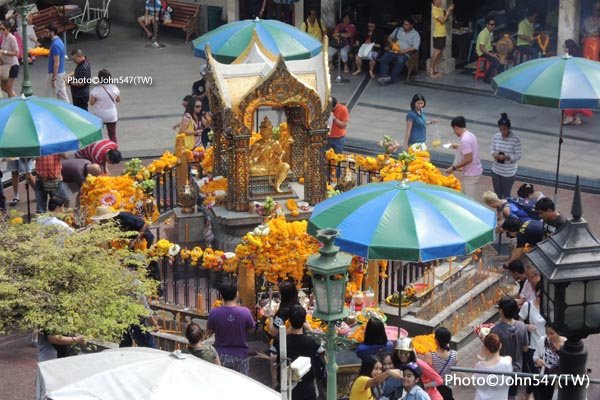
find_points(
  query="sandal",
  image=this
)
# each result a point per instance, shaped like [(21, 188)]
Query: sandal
[(356, 73), (372, 74)]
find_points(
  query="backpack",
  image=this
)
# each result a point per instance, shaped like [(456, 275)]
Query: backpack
[(522, 209)]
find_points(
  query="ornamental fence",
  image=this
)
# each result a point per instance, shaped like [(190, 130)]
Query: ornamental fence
[(191, 286), (360, 176)]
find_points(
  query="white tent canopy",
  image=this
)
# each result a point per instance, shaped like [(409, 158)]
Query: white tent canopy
[(142, 373)]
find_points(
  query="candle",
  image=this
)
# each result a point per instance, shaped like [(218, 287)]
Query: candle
[(199, 302), (455, 325), (164, 323), (187, 233), (483, 302)]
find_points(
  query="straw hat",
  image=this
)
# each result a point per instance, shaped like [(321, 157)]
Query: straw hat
[(404, 344), (104, 212)]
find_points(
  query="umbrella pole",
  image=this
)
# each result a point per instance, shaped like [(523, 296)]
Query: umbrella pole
[(28, 204), (400, 283), (339, 78), (560, 142)]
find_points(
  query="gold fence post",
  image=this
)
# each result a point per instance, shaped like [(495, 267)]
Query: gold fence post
[(246, 287), (372, 278)]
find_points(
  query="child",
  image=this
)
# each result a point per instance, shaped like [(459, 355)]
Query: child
[(370, 376), (411, 382), (197, 347), (405, 354)]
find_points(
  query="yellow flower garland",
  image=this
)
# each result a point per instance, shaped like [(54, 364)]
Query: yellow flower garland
[(421, 169), (279, 254)]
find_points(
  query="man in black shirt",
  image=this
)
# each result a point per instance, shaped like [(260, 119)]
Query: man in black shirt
[(527, 233), (127, 222), (553, 220), (79, 80), (301, 345), (199, 89)]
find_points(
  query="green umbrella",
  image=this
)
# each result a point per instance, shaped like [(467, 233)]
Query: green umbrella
[(35, 126), (414, 222), (230, 41)]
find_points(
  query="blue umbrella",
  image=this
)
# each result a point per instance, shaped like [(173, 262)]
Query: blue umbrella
[(229, 42), (556, 82), (36, 126), (416, 222)]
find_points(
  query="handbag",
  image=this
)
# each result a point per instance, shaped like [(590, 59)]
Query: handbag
[(108, 93), (365, 50), (4, 71)]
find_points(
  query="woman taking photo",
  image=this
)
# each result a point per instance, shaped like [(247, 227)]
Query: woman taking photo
[(10, 59), (404, 354), (370, 378), (506, 151), (416, 123)]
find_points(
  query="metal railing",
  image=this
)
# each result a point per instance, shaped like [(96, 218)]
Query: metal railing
[(165, 191), (188, 285)]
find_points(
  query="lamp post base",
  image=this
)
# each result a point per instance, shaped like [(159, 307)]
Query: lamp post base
[(572, 369)]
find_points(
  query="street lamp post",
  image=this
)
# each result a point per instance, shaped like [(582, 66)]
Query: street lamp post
[(569, 262), (24, 9), (329, 277)]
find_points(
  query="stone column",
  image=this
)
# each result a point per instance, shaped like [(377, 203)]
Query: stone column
[(315, 184), (447, 62), (233, 10), (568, 22), (298, 13), (330, 10)]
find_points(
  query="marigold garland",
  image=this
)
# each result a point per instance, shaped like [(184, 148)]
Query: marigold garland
[(424, 344), (421, 169), (279, 254), (120, 192), (207, 161)]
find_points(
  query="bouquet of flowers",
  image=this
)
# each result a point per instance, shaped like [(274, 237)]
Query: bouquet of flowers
[(265, 209), (389, 145)]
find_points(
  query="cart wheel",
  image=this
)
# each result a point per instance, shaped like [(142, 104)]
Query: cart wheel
[(103, 28)]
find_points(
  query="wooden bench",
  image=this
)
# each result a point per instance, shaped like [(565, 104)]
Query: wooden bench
[(42, 19), (184, 16)]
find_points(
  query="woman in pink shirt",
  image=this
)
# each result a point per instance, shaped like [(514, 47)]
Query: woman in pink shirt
[(344, 36), (10, 58)]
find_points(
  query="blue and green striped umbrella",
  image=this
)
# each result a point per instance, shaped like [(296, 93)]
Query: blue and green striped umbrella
[(36, 126), (556, 82), (419, 222), (230, 41)]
